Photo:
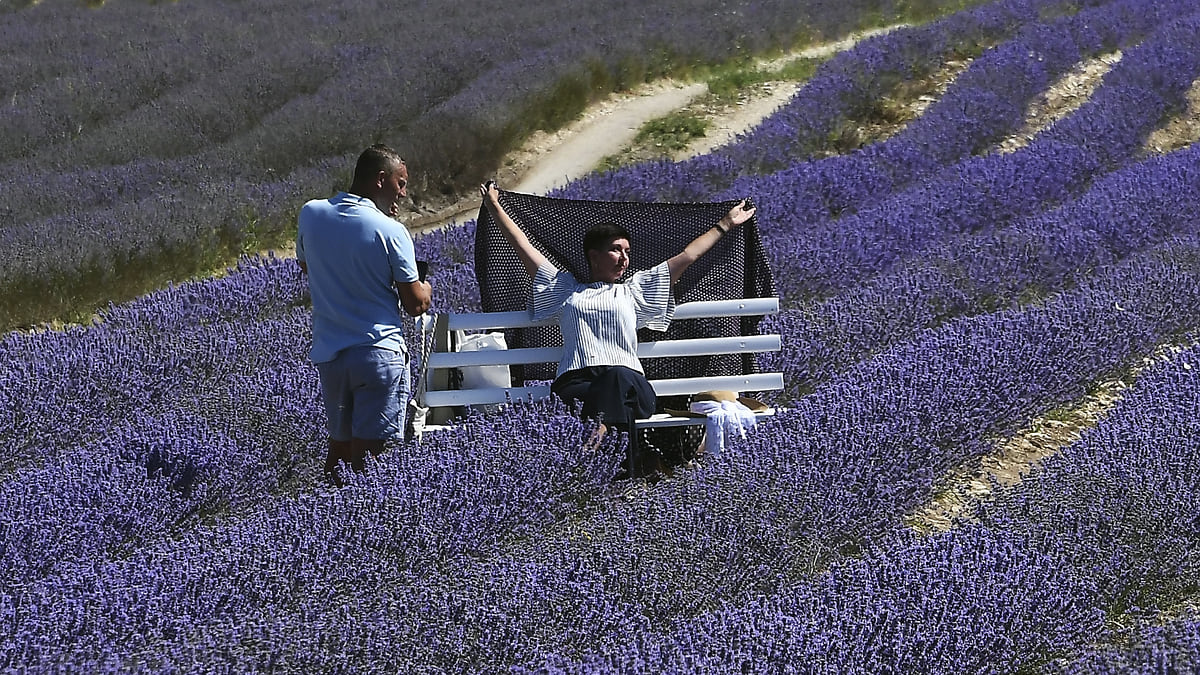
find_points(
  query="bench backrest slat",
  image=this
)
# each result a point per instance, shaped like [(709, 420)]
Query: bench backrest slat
[(646, 350), (688, 310), (489, 396), (695, 385), (669, 387), (704, 346)]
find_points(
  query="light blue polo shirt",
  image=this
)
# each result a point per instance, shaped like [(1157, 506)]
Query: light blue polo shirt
[(354, 253)]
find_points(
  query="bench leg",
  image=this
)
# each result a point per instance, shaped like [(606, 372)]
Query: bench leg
[(642, 460)]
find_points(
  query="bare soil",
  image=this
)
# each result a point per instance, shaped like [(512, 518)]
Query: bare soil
[(1180, 131), (1061, 99)]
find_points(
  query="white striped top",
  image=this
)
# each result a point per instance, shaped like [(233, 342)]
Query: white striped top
[(599, 320)]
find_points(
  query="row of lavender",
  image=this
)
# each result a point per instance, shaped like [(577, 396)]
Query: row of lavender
[(218, 118), (518, 537), (485, 547)]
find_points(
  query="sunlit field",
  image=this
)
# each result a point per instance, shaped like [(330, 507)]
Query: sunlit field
[(967, 278)]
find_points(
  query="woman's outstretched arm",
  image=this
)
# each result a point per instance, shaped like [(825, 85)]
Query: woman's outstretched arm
[(530, 256), (701, 245)]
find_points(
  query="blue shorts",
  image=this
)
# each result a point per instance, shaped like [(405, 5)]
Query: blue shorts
[(366, 393)]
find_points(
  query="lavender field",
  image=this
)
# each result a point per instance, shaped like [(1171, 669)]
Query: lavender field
[(142, 141), (943, 289)]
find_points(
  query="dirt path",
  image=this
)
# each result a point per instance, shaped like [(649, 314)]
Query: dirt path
[(1063, 98), (549, 160), (556, 159)]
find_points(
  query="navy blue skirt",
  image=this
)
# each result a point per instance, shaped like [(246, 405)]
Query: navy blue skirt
[(614, 395)]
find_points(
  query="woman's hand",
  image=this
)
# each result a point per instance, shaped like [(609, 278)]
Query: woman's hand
[(739, 214), (489, 192)]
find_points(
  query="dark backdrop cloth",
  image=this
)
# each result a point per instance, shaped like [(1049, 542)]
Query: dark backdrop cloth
[(735, 268)]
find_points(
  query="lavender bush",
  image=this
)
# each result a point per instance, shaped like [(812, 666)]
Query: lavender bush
[(161, 508)]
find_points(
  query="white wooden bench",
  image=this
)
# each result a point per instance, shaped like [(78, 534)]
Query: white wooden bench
[(438, 395)]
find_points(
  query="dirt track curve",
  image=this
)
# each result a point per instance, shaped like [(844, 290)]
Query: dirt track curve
[(549, 160)]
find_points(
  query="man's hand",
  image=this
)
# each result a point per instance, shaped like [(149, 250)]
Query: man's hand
[(415, 297)]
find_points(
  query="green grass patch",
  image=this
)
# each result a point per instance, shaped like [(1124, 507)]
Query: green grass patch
[(659, 138), (725, 82), (672, 132)]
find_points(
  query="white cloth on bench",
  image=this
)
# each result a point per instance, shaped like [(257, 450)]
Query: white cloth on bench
[(725, 422)]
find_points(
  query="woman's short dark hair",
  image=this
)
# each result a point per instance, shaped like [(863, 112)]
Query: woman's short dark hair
[(598, 236)]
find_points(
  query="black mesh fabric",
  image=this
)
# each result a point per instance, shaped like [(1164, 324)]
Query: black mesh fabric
[(735, 268)]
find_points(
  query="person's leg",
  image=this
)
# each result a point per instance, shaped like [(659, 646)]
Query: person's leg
[(360, 448), (339, 451), (335, 393), (619, 396), (594, 439), (381, 391), (573, 387)]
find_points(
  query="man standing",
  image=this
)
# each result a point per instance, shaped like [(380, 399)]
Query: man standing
[(359, 262)]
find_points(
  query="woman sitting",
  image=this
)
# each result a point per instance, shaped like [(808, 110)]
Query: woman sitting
[(599, 319)]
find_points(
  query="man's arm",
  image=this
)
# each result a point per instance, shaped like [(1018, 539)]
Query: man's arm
[(415, 296)]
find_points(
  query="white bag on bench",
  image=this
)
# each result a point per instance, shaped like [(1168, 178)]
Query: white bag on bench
[(483, 377)]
